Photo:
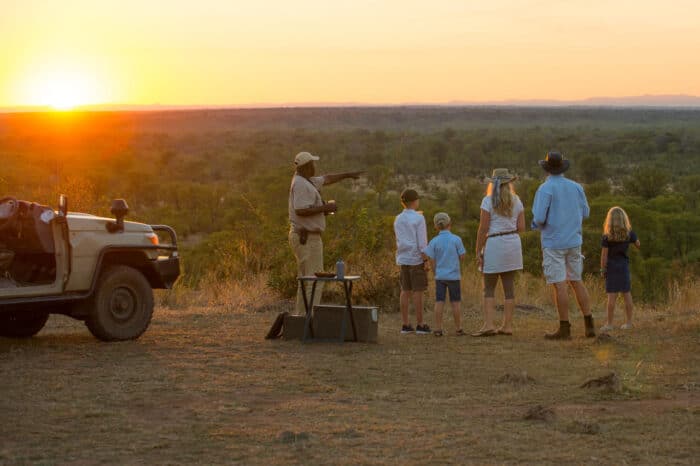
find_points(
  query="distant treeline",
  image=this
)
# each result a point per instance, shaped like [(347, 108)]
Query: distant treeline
[(221, 177)]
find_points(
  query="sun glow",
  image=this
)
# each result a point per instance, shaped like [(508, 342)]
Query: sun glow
[(62, 89)]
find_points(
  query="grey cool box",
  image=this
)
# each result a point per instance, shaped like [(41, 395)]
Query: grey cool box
[(326, 323)]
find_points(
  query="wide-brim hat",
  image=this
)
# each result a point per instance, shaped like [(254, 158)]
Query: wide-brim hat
[(503, 175), (554, 163), (302, 158)]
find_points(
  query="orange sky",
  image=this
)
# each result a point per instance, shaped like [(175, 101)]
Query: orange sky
[(237, 52)]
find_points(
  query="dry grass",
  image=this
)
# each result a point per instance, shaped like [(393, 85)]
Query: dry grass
[(203, 386), (252, 293), (684, 295), (379, 275)]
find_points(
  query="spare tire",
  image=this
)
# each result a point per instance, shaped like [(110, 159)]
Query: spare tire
[(122, 306), (22, 324)]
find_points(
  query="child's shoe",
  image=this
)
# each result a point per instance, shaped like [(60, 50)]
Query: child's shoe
[(422, 329), (606, 328), (405, 329), (625, 326), (438, 333)]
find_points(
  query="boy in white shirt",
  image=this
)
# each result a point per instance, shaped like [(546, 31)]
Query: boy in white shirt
[(411, 239)]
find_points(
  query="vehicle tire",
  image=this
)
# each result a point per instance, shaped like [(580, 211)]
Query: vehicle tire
[(22, 324), (122, 306)]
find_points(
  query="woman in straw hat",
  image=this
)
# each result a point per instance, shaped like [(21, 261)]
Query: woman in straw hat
[(498, 249)]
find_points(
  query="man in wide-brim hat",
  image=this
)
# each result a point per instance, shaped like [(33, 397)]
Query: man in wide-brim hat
[(559, 208), (554, 163)]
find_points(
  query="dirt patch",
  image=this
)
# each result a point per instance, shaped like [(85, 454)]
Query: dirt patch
[(609, 383), (539, 413), (519, 378), (293, 437), (681, 402), (281, 305), (607, 339), (583, 427)]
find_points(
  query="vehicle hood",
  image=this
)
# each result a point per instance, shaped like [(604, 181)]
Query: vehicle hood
[(87, 222)]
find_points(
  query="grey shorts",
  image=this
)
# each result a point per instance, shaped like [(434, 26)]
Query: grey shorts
[(562, 265), (413, 278)]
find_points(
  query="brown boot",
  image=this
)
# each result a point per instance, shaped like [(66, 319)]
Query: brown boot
[(590, 328), (564, 332)]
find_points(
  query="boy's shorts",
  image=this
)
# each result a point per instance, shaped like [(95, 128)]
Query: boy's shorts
[(562, 265), (453, 286), (413, 278)]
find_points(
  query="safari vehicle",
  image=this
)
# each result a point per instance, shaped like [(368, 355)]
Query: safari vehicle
[(98, 270)]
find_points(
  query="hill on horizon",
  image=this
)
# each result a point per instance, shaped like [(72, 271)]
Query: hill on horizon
[(647, 100)]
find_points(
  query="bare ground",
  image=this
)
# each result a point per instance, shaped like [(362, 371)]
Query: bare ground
[(203, 386)]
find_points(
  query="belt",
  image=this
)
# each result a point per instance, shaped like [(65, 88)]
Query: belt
[(308, 232), (503, 233)]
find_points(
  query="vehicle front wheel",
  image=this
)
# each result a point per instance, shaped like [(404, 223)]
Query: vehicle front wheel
[(22, 324), (122, 306)]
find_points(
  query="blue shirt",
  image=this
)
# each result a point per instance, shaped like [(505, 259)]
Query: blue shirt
[(445, 250), (411, 237), (558, 211)]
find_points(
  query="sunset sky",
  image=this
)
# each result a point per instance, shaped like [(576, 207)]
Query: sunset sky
[(230, 52)]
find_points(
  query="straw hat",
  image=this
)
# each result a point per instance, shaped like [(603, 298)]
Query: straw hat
[(503, 175)]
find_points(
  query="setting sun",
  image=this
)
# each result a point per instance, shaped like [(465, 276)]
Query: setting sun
[(62, 89)]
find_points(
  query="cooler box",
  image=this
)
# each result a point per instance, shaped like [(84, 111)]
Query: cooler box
[(326, 322), (293, 327)]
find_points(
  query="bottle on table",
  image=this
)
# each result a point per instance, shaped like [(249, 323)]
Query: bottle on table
[(340, 269)]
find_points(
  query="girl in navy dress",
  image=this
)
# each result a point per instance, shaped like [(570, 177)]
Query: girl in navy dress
[(614, 263)]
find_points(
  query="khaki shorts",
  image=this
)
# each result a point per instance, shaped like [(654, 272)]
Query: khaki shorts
[(562, 265), (413, 278)]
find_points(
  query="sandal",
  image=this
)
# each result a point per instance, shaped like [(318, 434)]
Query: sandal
[(460, 333), (438, 333)]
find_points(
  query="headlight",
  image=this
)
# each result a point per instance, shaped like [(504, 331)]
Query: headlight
[(153, 238)]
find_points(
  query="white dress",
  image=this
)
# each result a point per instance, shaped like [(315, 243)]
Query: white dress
[(503, 253)]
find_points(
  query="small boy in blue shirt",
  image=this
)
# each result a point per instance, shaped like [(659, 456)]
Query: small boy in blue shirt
[(445, 252)]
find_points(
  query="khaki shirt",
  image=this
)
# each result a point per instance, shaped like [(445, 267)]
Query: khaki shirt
[(303, 194)]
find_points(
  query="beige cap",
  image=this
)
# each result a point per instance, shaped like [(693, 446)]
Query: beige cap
[(302, 158), (441, 219)]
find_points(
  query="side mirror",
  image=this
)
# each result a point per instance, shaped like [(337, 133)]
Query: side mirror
[(63, 205), (119, 209)]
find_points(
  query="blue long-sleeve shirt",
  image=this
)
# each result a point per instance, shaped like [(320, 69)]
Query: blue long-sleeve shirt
[(558, 211)]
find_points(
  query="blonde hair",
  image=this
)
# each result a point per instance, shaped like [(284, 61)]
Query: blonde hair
[(617, 225), (505, 201)]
